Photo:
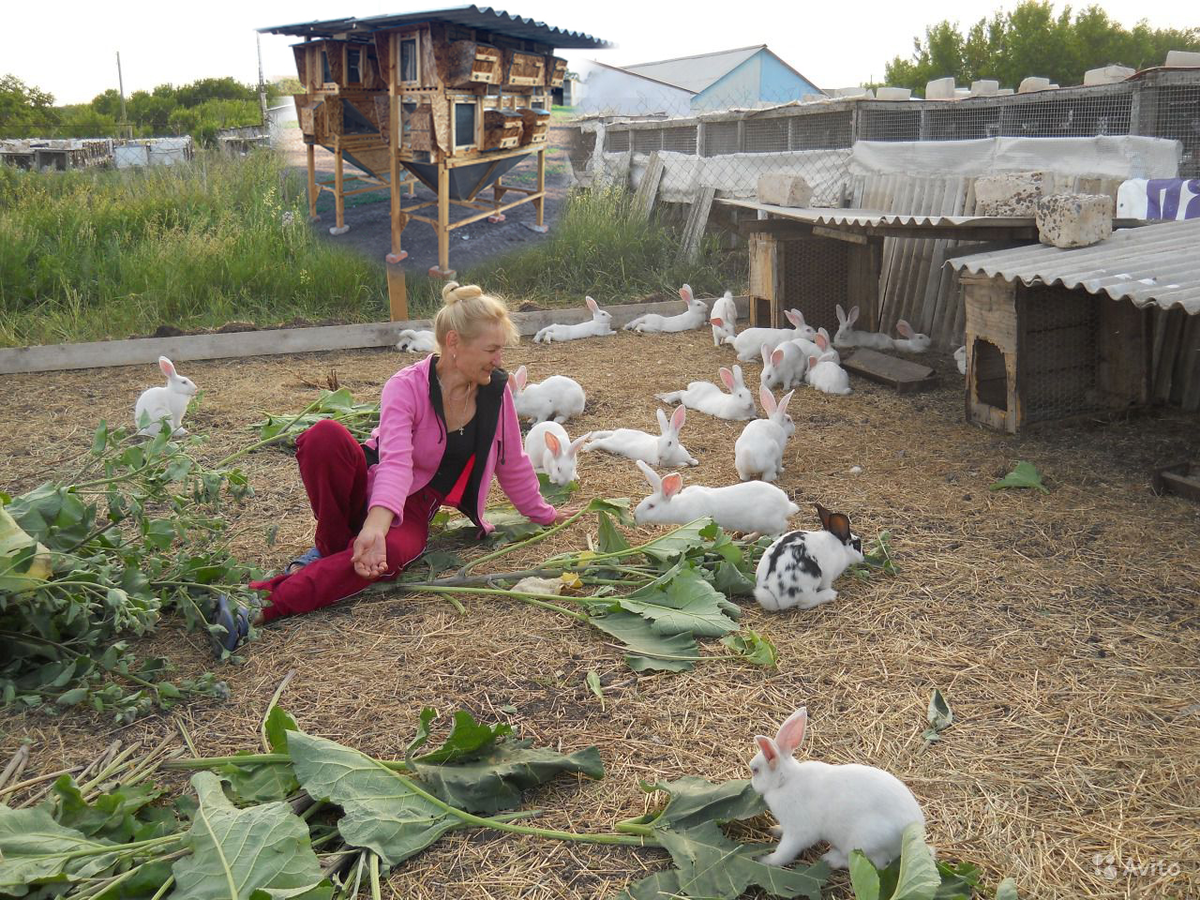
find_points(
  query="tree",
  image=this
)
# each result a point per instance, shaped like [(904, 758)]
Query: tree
[(24, 109), (1032, 40)]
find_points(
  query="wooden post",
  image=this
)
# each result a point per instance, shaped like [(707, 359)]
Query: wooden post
[(442, 270), (312, 185), (338, 197), (394, 175), (540, 203), (397, 292)]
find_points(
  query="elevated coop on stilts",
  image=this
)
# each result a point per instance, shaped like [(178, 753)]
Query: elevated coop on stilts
[(451, 98)]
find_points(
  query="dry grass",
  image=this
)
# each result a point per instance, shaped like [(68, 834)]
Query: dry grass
[(1064, 629)]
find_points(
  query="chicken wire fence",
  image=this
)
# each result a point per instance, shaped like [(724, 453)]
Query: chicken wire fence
[(728, 150)]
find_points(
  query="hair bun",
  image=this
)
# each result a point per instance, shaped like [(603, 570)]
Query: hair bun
[(453, 292)]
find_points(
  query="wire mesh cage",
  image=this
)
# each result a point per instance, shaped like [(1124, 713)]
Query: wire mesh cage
[(814, 279), (889, 121), (720, 138), (1086, 112), (1058, 354), (815, 129), (1176, 115)]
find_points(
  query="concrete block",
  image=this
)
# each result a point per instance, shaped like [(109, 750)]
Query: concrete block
[(893, 93), (1033, 83), (852, 93), (940, 89), (1074, 220), (985, 87), (784, 189), (1182, 58), (1010, 194), (1108, 75), (1005, 92), (336, 231), (962, 93)]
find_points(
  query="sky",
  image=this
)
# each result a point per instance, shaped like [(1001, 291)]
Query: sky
[(69, 49)]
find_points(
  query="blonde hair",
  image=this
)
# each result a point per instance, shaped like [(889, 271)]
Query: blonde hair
[(469, 311)]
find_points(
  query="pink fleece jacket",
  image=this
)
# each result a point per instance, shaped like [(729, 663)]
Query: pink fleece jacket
[(410, 441)]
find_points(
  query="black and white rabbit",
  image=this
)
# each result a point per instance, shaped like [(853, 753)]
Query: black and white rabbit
[(799, 569)]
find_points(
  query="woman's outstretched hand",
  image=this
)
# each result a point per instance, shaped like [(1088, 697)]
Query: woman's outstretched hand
[(370, 547), (561, 515)]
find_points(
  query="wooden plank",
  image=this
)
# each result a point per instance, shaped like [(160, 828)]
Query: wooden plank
[(693, 232), (839, 235), (1182, 479), (763, 278), (900, 374), (397, 292), (647, 192), (281, 341)]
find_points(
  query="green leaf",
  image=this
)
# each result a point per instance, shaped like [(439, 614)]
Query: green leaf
[(236, 852), (682, 600), (647, 649), (675, 543), (279, 723), (752, 647), (1024, 475), (495, 781), (918, 878), (1007, 889), (100, 438), (694, 801), (261, 782), (864, 877), (610, 540), (468, 739), (555, 494), (730, 581), (662, 885), (112, 816), (34, 850), (381, 813), (617, 507), (593, 683), (940, 717), (428, 714)]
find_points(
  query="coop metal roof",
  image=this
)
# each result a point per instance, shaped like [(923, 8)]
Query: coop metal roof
[(1155, 264), (869, 218), (482, 17), (695, 73)]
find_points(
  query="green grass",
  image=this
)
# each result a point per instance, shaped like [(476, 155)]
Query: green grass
[(110, 254)]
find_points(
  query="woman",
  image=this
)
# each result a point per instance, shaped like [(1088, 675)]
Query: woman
[(446, 425)]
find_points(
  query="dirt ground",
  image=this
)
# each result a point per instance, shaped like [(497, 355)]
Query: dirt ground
[(368, 215), (1062, 628)]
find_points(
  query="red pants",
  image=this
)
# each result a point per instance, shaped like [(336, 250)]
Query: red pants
[(334, 471)]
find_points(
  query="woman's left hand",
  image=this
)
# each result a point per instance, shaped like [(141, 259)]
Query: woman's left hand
[(561, 515)]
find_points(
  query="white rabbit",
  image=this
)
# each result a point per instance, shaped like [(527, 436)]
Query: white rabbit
[(752, 506), (758, 452), (599, 325), (662, 450), (827, 376), (558, 397), (708, 398), (911, 341), (168, 402), (685, 321), (784, 367), (960, 357), (416, 341), (747, 343), (852, 806), (800, 568), (723, 319), (825, 346), (553, 452), (847, 336)]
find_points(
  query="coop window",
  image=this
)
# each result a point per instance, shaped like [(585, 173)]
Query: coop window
[(407, 111), (408, 60), (464, 124), (353, 66), (538, 103), (326, 74), (991, 376)]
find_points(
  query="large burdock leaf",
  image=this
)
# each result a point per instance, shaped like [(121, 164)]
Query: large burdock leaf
[(919, 878), (495, 780), (681, 601), (382, 813), (676, 543), (695, 801), (646, 649), (34, 850), (237, 853)]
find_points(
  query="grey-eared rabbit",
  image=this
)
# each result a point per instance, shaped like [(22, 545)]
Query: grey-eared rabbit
[(852, 806), (169, 402), (664, 449), (799, 569), (599, 325)]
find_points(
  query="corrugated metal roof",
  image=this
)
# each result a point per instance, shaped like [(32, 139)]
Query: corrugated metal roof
[(695, 73), (483, 17), (870, 217), (1156, 264)]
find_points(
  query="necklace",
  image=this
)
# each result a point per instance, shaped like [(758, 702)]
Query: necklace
[(446, 398)]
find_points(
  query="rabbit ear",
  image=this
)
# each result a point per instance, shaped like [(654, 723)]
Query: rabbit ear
[(168, 367), (783, 404), (904, 328), (552, 444), (767, 399), (792, 316), (769, 751), (671, 484), (791, 732), (679, 417), (727, 378), (821, 341), (685, 293), (737, 377), (591, 304), (812, 361), (823, 333), (577, 443), (853, 315), (662, 420), (766, 354), (839, 526), (650, 475), (718, 321), (841, 314), (777, 356), (522, 376), (824, 515)]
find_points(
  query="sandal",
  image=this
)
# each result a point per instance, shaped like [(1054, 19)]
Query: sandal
[(308, 556), (235, 621)]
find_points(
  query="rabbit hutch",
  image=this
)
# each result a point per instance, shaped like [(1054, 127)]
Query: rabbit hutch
[(1055, 334), (453, 99)]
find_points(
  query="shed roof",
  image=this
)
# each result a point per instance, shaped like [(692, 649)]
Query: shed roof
[(1155, 264), (695, 73), (483, 17)]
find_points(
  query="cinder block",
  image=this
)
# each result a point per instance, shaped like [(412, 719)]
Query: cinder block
[(1033, 83), (851, 93), (1011, 194), (962, 93), (1108, 75), (1074, 220), (784, 189), (1182, 58), (985, 87), (1005, 92), (940, 89), (893, 93)]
